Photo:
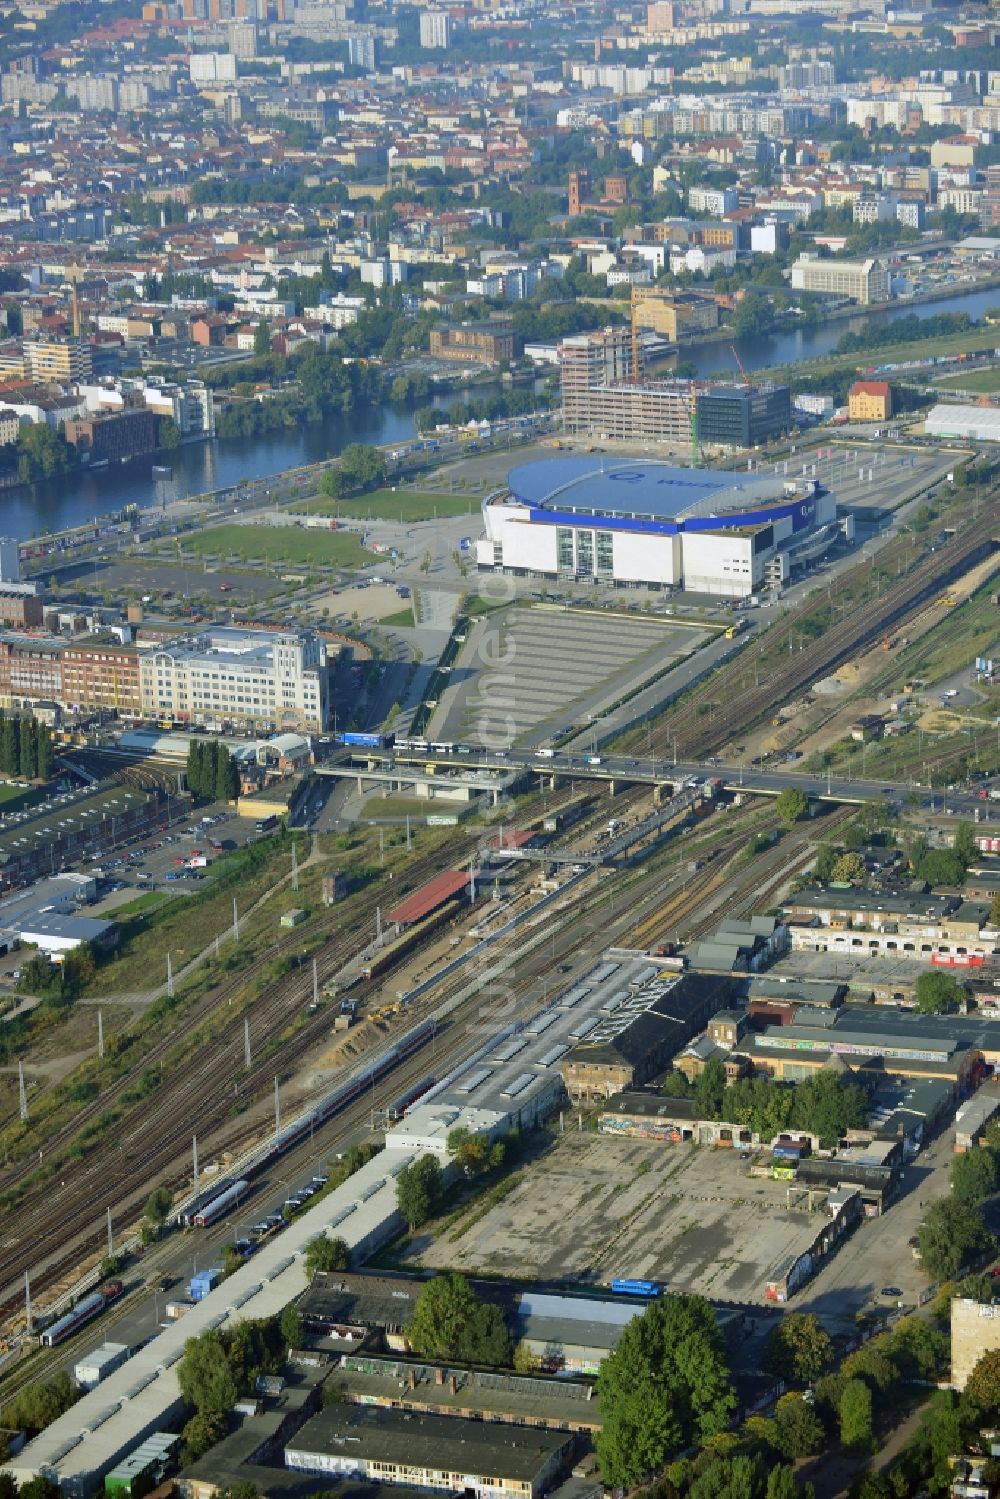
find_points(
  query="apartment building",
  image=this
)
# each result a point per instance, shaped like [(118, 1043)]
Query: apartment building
[(56, 361), (254, 678), (863, 281), (190, 406), (435, 29), (116, 436), (101, 675), (870, 401)]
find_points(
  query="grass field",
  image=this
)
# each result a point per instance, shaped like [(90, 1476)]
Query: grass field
[(148, 901), (279, 544), (973, 340), (13, 798), (984, 381), (400, 505), (401, 620)]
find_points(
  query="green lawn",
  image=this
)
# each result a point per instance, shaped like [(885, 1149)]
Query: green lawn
[(282, 544), (986, 381), (401, 620), (147, 901), (400, 505), (13, 798)]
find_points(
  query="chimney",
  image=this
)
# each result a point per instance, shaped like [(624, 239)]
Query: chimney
[(453, 1384), (412, 1379), (439, 1376)]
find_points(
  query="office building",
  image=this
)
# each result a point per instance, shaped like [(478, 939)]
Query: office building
[(741, 416), (676, 315), (114, 437), (254, 678), (862, 281), (101, 674), (474, 343), (869, 401)]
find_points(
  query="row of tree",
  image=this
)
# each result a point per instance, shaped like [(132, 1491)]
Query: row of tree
[(211, 771), (825, 1104), (25, 747)]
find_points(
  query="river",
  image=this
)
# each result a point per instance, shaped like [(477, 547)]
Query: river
[(73, 499)]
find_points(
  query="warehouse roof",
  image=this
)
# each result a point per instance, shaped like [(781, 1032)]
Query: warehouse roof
[(412, 1384), (450, 1442), (430, 896), (643, 489)]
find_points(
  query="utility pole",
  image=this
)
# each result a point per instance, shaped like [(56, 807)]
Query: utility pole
[(22, 1095), (381, 848), (170, 978), (236, 922), (100, 1034), (111, 1245), (194, 1158), (295, 869), (277, 1108), (27, 1305), (315, 982), (378, 926), (472, 882), (246, 1042)]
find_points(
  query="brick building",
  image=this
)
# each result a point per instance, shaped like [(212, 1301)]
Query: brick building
[(30, 669), (116, 437), (474, 343), (975, 1330), (96, 674), (22, 609)]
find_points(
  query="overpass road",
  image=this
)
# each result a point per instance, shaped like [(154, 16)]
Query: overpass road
[(750, 779)]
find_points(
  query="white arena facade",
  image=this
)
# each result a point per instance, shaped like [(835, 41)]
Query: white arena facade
[(650, 524)]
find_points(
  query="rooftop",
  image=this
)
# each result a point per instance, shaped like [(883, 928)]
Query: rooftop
[(400, 1437), (643, 490)]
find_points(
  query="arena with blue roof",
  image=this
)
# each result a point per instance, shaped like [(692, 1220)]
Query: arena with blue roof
[(641, 522)]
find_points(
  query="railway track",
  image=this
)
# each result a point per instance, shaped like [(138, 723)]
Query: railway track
[(687, 729), (155, 1136)]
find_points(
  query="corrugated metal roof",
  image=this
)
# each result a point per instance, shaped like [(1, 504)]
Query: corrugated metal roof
[(427, 899)]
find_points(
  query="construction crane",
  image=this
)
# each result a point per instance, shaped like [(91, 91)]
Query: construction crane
[(739, 365)]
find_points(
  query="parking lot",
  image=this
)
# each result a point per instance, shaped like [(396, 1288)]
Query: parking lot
[(595, 1208)]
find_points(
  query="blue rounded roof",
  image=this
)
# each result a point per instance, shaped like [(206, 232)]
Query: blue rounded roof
[(643, 487)]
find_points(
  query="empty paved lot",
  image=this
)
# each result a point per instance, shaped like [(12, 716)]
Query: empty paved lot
[(561, 666), (597, 1207)]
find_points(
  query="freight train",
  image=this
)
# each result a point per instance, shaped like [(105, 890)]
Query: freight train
[(193, 1214)]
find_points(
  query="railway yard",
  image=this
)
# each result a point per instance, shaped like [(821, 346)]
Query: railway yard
[(299, 1024)]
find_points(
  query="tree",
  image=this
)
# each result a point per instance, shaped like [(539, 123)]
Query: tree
[(451, 1322), (849, 869), (791, 804), (204, 1429), (798, 1429), (44, 745), (419, 1189), (262, 338), (168, 434), (965, 845), (326, 1255), (873, 1366), (473, 1151), (362, 466), (158, 1204), (974, 1176), (293, 1327), (710, 1089), (799, 1348), (781, 1483), (665, 1386), (39, 1404), (941, 866), (227, 781), (939, 993), (27, 754), (983, 1387), (824, 863), (204, 1375), (951, 1234), (856, 1415)]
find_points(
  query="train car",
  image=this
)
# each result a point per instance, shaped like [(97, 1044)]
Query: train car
[(185, 1218), (442, 747), (406, 1100), (418, 746), (367, 741), (85, 1311), (646, 1288), (220, 1205)]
